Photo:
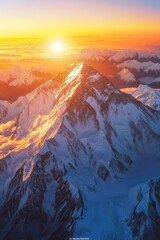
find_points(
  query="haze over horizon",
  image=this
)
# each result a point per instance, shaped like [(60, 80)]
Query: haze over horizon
[(30, 30)]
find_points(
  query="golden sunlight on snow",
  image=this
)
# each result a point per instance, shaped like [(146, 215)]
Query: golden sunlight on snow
[(128, 90), (19, 134)]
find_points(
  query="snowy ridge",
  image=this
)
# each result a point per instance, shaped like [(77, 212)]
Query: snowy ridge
[(146, 212), (134, 64), (132, 67), (18, 77), (148, 96), (126, 75), (40, 115)]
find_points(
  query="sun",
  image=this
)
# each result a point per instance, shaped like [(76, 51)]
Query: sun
[(58, 47)]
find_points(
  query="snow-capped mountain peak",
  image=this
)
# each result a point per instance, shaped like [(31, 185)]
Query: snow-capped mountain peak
[(29, 113), (126, 75), (148, 96), (76, 127), (18, 77)]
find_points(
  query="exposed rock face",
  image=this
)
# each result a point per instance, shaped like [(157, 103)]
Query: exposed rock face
[(145, 219), (43, 206)]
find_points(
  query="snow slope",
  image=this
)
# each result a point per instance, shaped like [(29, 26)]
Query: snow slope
[(148, 96), (126, 76)]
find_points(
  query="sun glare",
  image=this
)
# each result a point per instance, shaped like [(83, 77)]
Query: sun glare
[(58, 47)]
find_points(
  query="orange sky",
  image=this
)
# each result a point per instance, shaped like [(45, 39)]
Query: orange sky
[(39, 17), (28, 28)]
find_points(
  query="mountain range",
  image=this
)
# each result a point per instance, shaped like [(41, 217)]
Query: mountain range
[(81, 159), (16, 81), (130, 68)]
